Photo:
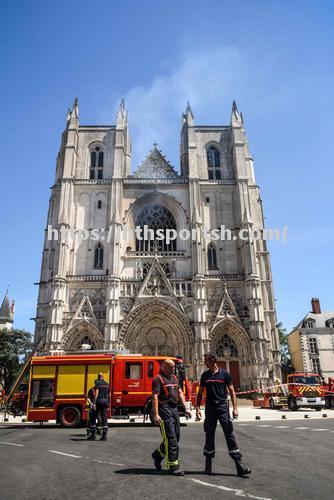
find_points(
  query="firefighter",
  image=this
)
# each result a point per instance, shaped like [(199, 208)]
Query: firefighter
[(90, 408), (166, 393), (101, 405), (217, 383)]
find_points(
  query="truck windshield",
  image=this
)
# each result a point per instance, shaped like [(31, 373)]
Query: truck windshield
[(309, 380)]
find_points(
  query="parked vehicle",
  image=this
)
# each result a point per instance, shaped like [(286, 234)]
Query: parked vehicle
[(58, 385), (329, 393), (275, 398), (305, 390)]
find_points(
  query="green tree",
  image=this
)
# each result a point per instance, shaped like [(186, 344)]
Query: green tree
[(15, 346), (283, 340)]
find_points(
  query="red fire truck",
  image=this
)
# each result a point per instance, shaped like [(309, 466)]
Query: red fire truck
[(329, 393), (305, 390), (58, 385)]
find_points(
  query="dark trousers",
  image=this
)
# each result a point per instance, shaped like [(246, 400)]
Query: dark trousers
[(213, 413), (91, 417), (170, 432), (101, 408)]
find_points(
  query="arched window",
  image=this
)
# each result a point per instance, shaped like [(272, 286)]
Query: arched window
[(212, 257), (100, 162), (225, 345), (98, 256), (214, 168), (96, 164), (93, 159), (155, 217)]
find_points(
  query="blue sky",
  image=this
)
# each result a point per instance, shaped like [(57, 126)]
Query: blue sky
[(274, 58)]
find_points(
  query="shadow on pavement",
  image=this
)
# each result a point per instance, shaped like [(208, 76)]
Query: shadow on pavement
[(139, 470), (79, 439), (153, 472)]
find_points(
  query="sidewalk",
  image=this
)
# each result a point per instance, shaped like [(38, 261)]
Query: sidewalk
[(246, 414)]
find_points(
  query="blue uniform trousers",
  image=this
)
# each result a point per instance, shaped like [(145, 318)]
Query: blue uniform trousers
[(213, 414)]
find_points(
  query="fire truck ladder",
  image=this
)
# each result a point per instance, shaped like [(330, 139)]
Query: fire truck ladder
[(21, 375)]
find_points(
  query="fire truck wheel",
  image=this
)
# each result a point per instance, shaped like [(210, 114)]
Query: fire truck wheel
[(70, 416), (292, 405)]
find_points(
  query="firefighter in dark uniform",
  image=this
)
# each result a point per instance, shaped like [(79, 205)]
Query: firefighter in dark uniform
[(101, 389), (217, 383), (166, 394), (91, 407)]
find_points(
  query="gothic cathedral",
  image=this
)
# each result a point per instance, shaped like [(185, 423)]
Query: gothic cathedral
[(154, 296)]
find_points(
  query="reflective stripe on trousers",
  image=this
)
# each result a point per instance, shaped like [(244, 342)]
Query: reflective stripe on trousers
[(170, 433), (220, 412)]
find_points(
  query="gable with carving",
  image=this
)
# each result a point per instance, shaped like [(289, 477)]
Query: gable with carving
[(155, 166)]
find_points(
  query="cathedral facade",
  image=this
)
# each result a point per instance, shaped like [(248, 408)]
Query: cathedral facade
[(116, 290)]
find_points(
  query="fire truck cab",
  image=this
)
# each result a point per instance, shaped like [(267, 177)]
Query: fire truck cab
[(305, 390), (329, 393), (58, 385)]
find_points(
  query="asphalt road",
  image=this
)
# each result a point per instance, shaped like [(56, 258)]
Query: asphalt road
[(289, 460)]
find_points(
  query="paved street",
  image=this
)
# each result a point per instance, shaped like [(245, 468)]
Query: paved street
[(289, 460)]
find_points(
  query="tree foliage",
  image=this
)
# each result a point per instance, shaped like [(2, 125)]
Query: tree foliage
[(283, 340), (15, 346)]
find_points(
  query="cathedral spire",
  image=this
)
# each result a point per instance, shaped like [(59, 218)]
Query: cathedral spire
[(76, 107), (73, 114), (121, 116), (236, 117), (188, 116), (6, 312)]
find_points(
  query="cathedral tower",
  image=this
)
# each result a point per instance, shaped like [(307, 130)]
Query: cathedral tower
[(112, 290)]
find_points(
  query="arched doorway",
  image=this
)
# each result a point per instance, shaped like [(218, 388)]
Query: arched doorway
[(157, 327), (231, 343), (83, 336), (228, 357)]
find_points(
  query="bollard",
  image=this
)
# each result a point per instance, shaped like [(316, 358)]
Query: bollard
[(257, 417), (6, 419), (23, 420), (324, 415), (283, 417), (306, 416), (132, 420)]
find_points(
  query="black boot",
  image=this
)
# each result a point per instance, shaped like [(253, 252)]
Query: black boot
[(208, 465), (176, 471), (91, 437), (103, 437), (242, 470), (157, 458)]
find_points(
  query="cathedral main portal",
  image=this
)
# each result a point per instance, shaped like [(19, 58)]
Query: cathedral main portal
[(157, 327)]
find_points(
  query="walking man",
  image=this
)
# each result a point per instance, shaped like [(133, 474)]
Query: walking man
[(217, 383), (91, 407), (101, 406), (166, 394)]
